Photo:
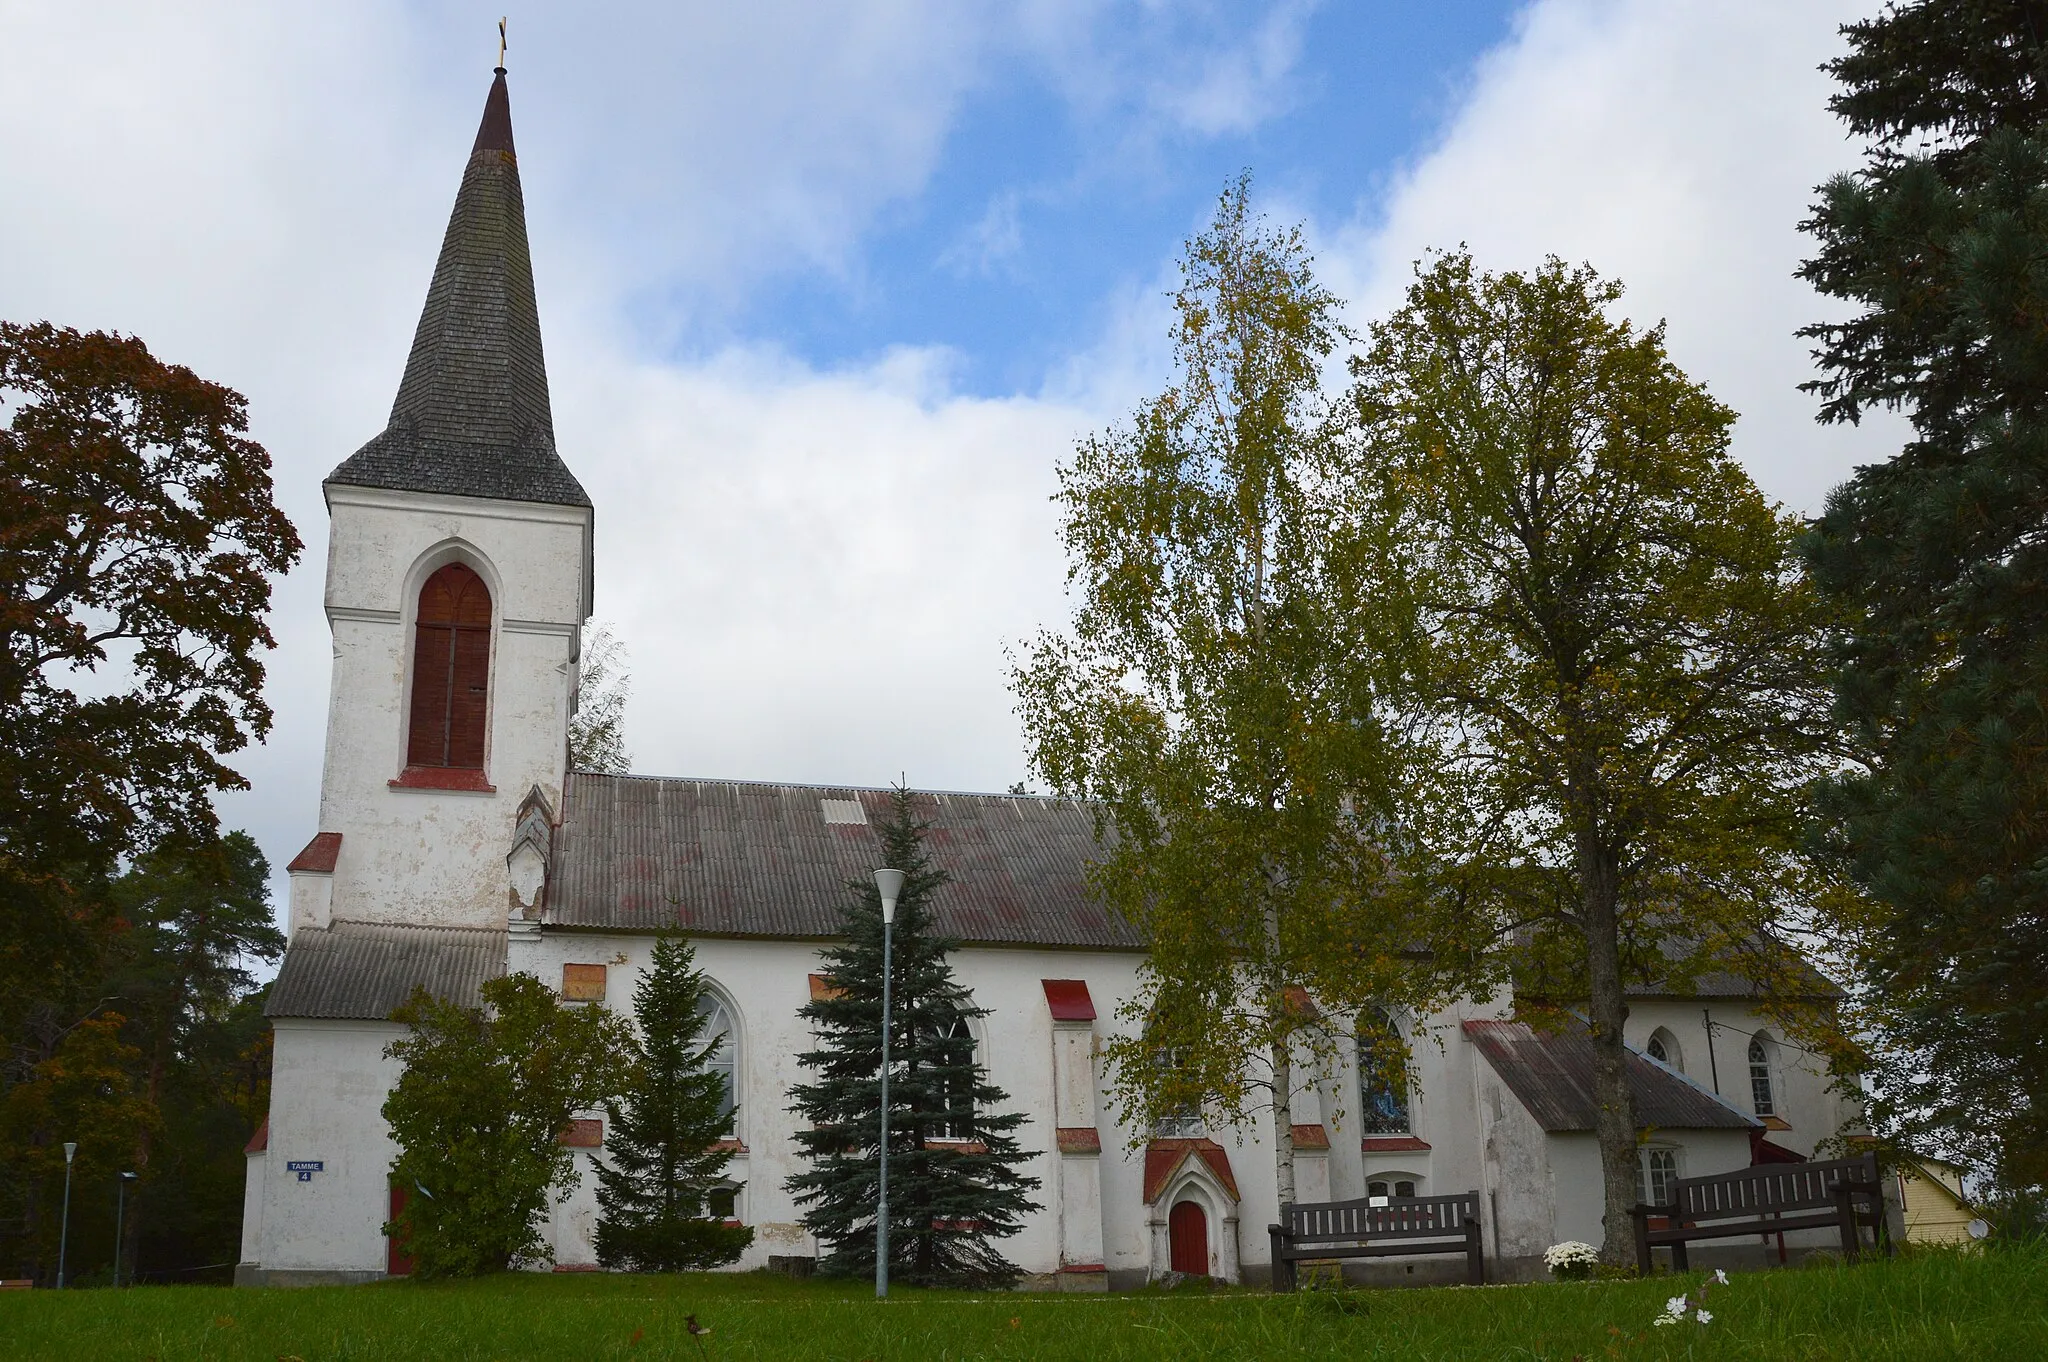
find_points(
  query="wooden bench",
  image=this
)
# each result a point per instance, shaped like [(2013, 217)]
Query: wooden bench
[(1771, 1199), (1377, 1227)]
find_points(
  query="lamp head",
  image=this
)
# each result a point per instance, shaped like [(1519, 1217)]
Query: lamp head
[(889, 883), (70, 1149), (129, 1177)]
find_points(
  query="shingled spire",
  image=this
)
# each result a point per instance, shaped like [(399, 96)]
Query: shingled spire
[(472, 416)]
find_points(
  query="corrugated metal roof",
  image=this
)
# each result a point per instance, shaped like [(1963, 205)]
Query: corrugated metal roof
[(362, 970), (1552, 1073), (638, 853)]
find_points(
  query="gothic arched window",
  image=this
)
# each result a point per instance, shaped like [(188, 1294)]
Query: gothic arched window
[(1181, 1118), (959, 1093), (1663, 1048), (1761, 1098), (1382, 1076), (451, 671), (724, 1057)]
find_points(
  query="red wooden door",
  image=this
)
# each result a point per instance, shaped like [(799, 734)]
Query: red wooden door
[(397, 1261), (1187, 1231)]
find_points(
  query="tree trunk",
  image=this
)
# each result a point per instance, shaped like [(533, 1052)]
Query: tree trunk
[(1607, 1010), (1277, 1018), (1283, 1118)]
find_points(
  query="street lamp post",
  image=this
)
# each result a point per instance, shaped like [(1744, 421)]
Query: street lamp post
[(120, 1211), (64, 1227), (889, 883)]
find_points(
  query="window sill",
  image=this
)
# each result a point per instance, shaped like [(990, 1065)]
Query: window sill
[(957, 1146), (1776, 1123), (728, 1146), (459, 779), (1392, 1144)]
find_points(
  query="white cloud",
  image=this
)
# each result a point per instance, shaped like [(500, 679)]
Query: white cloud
[(1673, 144), (1235, 88), (816, 571), (995, 238)]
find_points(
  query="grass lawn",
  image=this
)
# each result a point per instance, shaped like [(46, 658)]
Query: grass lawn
[(1993, 1308)]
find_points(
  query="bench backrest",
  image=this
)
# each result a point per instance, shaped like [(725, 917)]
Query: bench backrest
[(1401, 1217), (1772, 1187)]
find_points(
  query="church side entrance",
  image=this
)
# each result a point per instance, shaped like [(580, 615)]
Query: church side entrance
[(397, 1261), (1187, 1228)]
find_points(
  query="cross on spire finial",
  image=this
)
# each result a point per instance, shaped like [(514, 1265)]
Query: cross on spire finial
[(501, 44)]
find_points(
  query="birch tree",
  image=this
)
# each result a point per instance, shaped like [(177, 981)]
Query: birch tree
[(1215, 699)]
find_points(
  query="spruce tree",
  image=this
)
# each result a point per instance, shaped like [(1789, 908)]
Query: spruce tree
[(662, 1153), (1939, 564), (954, 1184)]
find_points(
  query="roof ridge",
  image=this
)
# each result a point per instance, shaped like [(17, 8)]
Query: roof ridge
[(356, 922), (825, 785)]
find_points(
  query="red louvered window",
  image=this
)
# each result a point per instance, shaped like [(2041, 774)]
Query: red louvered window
[(451, 671)]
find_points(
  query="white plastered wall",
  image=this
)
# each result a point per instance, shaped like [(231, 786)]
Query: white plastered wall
[(767, 981), (437, 856), (330, 1079), (1807, 1105)]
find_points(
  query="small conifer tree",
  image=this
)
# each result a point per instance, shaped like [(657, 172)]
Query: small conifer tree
[(954, 1185), (665, 1150)]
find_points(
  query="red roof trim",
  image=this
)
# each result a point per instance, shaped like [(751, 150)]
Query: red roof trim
[(1314, 1139), (465, 778), (1163, 1159), (1393, 1144), (1078, 1139), (260, 1141), (582, 1134), (319, 856), (1763, 1151), (1068, 999)]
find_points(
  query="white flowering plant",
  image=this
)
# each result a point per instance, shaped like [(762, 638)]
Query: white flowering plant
[(1571, 1261), (1693, 1305), (1690, 1308)]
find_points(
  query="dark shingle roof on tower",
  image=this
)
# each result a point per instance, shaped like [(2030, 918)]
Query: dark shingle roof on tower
[(472, 416), (638, 853)]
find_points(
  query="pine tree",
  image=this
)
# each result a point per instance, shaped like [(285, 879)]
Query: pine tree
[(1937, 559), (662, 1153), (954, 1187)]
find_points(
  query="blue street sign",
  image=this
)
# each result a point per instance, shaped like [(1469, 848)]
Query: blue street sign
[(306, 1168)]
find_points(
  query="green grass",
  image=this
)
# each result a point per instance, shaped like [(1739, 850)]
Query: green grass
[(1992, 1308)]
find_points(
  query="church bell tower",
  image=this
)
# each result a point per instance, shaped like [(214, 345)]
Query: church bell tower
[(458, 579)]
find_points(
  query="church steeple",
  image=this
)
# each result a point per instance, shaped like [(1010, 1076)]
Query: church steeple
[(472, 415)]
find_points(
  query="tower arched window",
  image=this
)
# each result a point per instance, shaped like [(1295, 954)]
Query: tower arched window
[(724, 1057), (1382, 1076), (451, 671), (1663, 1047), (1762, 1099)]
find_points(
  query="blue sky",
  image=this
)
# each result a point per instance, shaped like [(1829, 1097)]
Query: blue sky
[(829, 290), (1045, 205)]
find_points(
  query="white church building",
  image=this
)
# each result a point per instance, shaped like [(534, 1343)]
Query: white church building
[(454, 845)]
